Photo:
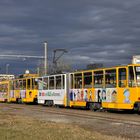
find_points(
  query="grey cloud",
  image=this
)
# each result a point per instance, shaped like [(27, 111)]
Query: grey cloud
[(105, 31)]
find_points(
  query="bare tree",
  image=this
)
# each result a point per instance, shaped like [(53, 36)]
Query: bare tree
[(61, 67), (94, 66)]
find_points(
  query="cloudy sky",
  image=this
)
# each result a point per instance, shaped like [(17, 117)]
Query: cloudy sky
[(92, 31)]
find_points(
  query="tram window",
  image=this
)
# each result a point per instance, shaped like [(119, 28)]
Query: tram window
[(78, 80), (88, 80), (137, 69), (11, 85), (45, 83), (4, 87), (51, 82), (40, 83), (58, 82), (71, 81), (1, 88), (16, 84), (131, 77), (34, 83), (110, 78), (63, 81), (28, 83), (98, 79), (20, 84), (122, 77), (24, 84)]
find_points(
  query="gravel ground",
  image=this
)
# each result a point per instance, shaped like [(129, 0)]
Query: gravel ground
[(127, 127)]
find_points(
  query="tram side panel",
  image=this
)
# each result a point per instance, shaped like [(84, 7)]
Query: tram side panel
[(80, 97), (4, 91), (51, 97), (124, 91), (118, 99), (7, 93), (81, 91), (29, 96), (76, 93), (23, 90), (55, 96), (13, 94)]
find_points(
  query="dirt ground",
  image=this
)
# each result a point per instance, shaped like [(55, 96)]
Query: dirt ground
[(35, 123)]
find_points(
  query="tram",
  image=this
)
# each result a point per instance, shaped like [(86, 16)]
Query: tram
[(115, 87), (112, 88), (4, 91), (24, 89), (53, 90)]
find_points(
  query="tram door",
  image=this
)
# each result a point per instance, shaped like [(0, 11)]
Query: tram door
[(98, 85), (132, 93), (122, 84), (29, 87)]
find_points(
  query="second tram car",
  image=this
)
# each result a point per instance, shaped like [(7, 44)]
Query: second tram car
[(53, 90)]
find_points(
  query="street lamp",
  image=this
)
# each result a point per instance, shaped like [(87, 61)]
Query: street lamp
[(7, 68), (45, 58)]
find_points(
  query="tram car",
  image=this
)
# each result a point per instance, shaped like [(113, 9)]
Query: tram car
[(110, 88), (23, 89), (4, 91), (5, 87), (53, 90)]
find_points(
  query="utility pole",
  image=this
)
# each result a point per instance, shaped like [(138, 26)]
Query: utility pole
[(45, 58), (7, 68)]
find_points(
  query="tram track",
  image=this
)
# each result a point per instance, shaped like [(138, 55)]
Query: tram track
[(75, 113)]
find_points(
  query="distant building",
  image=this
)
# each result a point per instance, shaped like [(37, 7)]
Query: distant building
[(6, 77), (136, 59)]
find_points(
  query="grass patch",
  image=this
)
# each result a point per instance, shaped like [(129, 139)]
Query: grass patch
[(14, 127)]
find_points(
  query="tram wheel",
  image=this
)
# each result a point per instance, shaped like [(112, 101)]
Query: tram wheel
[(19, 100)]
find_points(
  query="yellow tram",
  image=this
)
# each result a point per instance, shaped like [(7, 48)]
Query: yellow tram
[(24, 89), (4, 91), (116, 87), (113, 88)]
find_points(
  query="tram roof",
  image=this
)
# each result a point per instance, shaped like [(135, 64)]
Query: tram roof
[(106, 68)]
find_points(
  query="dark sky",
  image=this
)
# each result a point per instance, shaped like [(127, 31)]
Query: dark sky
[(92, 31)]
